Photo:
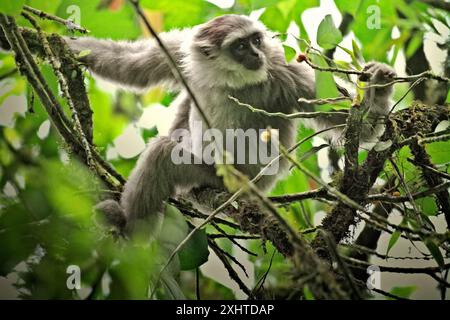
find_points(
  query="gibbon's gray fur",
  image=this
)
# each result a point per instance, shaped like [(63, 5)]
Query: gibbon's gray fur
[(230, 55)]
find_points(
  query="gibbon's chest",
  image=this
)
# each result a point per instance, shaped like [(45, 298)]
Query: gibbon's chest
[(224, 113)]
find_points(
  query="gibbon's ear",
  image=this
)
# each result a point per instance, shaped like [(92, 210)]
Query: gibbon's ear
[(209, 51), (206, 49)]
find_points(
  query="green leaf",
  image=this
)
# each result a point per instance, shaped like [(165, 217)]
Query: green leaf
[(435, 252), (427, 206), (11, 7), (273, 18), (350, 7), (195, 252), (393, 240), (328, 36), (357, 51), (325, 84), (355, 61), (289, 53), (403, 292), (286, 7), (438, 151), (414, 44), (375, 42)]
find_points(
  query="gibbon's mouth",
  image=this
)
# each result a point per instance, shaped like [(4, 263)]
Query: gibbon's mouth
[(253, 65)]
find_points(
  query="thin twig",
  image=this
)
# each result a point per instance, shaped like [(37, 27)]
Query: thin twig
[(311, 194), (406, 270), (223, 257), (417, 195), (339, 195), (347, 273), (439, 173), (67, 23), (172, 64), (297, 115), (233, 240), (382, 256), (324, 101), (408, 193), (231, 236), (415, 83), (424, 75)]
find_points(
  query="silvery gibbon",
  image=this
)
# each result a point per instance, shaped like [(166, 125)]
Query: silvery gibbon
[(231, 55)]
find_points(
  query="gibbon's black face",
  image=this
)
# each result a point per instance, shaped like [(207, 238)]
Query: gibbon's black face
[(246, 51)]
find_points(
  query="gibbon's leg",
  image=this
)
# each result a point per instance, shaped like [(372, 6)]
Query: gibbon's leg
[(154, 179)]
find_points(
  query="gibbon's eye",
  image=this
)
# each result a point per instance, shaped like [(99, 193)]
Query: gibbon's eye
[(257, 40), (240, 46)]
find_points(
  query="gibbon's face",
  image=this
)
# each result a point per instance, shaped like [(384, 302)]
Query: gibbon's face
[(247, 51), (232, 51)]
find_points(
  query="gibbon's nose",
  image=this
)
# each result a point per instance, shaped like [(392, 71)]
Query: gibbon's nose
[(253, 61), (254, 54)]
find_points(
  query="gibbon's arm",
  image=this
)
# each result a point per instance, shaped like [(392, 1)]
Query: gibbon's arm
[(377, 101), (139, 64)]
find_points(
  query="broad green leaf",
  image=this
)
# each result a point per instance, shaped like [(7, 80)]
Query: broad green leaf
[(328, 36), (257, 4), (350, 7), (274, 20), (195, 252), (435, 252), (427, 206), (289, 53), (439, 151), (414, 44), (325, 84), (403, 292), (373, 28), (286, 7), (352, 55)]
